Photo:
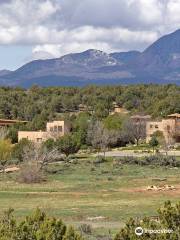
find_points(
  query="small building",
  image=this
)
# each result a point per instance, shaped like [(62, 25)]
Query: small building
[(169, 127), (118, 109), (84, 108), (140, 118), (54, 130), (10, 122)]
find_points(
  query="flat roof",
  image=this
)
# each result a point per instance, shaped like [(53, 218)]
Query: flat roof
[(141, 116), (176, 115), (12, 121)]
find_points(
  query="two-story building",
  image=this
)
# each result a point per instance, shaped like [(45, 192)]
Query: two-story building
[(169, 127), (54, 130)]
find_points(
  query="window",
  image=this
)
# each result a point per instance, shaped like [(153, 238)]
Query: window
[(55, 128), (51, 129), (151, 126), (156, 126), (39, 139), (59, 128), (168, 128)]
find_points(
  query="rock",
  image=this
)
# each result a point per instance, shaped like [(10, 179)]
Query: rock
[(10, 170)]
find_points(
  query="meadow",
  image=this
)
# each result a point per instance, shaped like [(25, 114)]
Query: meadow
[(101, 194)]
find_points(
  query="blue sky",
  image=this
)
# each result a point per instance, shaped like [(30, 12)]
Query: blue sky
[(41, 29), (13, 56)]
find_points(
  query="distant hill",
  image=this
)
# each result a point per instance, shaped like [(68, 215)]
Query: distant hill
[(161, 59), (159, 63), (125, 57), (4, 72)]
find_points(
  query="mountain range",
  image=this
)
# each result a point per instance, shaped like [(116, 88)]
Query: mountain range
[(159, 63)]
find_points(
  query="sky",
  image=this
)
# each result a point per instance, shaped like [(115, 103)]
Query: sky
[(41, 29)]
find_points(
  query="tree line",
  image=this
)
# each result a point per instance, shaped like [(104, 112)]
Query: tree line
[(39, 104)]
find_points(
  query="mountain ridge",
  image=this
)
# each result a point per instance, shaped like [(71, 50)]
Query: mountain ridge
[(158, 63)]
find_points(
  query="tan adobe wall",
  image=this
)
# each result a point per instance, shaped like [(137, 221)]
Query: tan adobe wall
[(54, 130), (58, 127), (119, 110), (166, 126), (36, 137)]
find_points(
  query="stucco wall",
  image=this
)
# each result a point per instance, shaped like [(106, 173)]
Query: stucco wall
[(54, 130), (166, 126)]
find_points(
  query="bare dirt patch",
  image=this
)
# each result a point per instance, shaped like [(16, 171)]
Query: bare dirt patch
[(174, 192)]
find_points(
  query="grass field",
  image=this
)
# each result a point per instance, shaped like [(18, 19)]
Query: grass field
[(81, 191)]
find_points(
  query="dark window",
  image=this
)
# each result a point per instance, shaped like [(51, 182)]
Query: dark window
[(156, 126), (59, 128), (151, 126), (39, 139), (55, 128), (168, 128)]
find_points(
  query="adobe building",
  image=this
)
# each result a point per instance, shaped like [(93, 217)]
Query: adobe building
[(140, 118), (170, 128), (10, 122), (54, 130), (118, 109), (84, 108)]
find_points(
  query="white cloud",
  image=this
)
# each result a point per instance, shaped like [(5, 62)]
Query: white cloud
[(57, 27), (173, 12), (88, 37)]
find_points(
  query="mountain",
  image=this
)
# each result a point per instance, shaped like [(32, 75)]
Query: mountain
[(161, 59), (4, 72), (125, 57), (76, 69), (159, 63)]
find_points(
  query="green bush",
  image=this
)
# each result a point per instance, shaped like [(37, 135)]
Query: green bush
[(168, 218), (5, 152), (100, 159), (19, 148), (68, 144), (86, 228), (154, 160), (38, 226), (49, 144)]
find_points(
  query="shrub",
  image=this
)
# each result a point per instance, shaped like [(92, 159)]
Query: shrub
[(86, 228), (168, 218), (155, 160), (30, 173), (49, 144), (37, 226), (5, 152), (110, 179), (100, 159), (153, 142), (161, 160), (19, 148), (13, 134), (68, 144)]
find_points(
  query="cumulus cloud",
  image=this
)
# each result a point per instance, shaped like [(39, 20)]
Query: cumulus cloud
[(58, 27), (89, 37)]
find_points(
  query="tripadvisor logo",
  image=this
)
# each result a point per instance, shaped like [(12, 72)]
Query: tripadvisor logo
[(139, 231)]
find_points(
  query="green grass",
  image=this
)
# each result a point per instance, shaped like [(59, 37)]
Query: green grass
[(85, 190), (141, 147)]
